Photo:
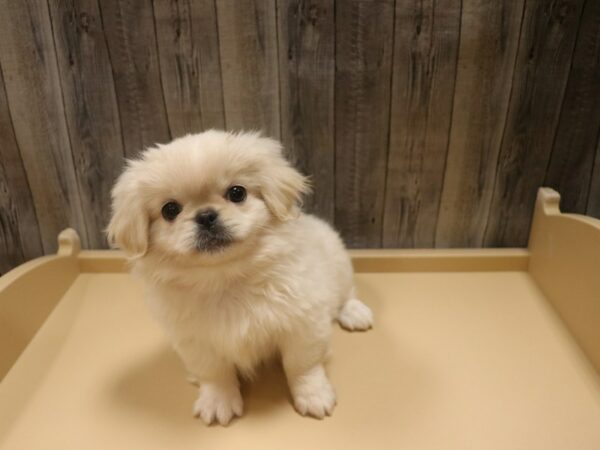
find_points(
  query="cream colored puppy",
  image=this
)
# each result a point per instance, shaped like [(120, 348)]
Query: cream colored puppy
[(234, 271)]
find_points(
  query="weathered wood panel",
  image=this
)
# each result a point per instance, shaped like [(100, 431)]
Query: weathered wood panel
[(572, 159), (544, 58), (190, 67), (425, 56), (593, 206), (364, 41), (306, 71), (34, 95), (422, 123), (248, 48), (131, 38), (90, 107), (488, 46), (19, 231)]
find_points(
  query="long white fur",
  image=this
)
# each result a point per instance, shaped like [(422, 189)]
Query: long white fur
[(275, 290)]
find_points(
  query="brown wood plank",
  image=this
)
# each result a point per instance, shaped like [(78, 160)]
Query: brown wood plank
[(364, 41), (425, 56), (541, 72), (131, 39), (306, 67), (188, 45), (248, 49), (593, 206), (90, 107), (19, 231), (28, 60), (574, 147), (489, 37)]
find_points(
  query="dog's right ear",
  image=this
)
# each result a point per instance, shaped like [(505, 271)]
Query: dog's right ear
[(128, 227)]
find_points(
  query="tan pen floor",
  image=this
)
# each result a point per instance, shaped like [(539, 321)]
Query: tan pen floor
[(455, 361)]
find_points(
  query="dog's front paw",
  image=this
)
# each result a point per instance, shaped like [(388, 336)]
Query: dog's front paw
[(313, 395), (218, 403)]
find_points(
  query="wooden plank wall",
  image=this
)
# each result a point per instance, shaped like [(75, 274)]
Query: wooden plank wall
[(423, 123)]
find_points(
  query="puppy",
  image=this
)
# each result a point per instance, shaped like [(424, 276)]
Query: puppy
[(233, 270)]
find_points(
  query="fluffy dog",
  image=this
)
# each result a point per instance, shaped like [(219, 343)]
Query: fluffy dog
[(233, 270)]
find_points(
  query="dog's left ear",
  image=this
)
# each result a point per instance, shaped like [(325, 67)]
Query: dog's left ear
[(283, 188)]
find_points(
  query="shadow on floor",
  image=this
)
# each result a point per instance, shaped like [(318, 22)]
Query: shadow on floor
[(156, 387)]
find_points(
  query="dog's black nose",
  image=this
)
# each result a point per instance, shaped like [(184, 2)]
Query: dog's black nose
[(207, 218)]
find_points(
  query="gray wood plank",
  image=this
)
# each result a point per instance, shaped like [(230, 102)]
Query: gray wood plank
[(248, 49), (306, 70), (488, 45), (19, 231), (569, 170), (593, 206), (34, 94), (425, 56), (364, 41), (190, 68), (90, 107), (131, 38), (543, 61)]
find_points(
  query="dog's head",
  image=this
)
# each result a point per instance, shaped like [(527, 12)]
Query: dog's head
[(203, 195)]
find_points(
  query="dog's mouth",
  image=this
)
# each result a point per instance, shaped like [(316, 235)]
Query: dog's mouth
[(214, 240)]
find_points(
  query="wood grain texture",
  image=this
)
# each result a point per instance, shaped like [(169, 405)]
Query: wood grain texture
[(541, 72), (423, 123), (248, 49), (572, 159), (364, 41), (34, 95), (593, 206), (131, 38), (90, 107), (306, 67), (19, 231), (188, 44), (488, 46), (425, 56)]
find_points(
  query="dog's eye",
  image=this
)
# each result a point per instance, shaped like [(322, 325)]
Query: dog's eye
[(170, 210), (236, 194)]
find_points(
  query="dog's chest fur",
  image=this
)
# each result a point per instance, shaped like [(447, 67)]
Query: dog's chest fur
[(242, 320)]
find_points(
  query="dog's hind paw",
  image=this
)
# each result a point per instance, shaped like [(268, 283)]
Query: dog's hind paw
[(355, 316)]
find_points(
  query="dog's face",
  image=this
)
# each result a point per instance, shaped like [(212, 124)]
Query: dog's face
[(202, 196)]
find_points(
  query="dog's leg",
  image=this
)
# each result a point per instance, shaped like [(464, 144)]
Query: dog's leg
[(355, 315), (219, 398), (303, 364)]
